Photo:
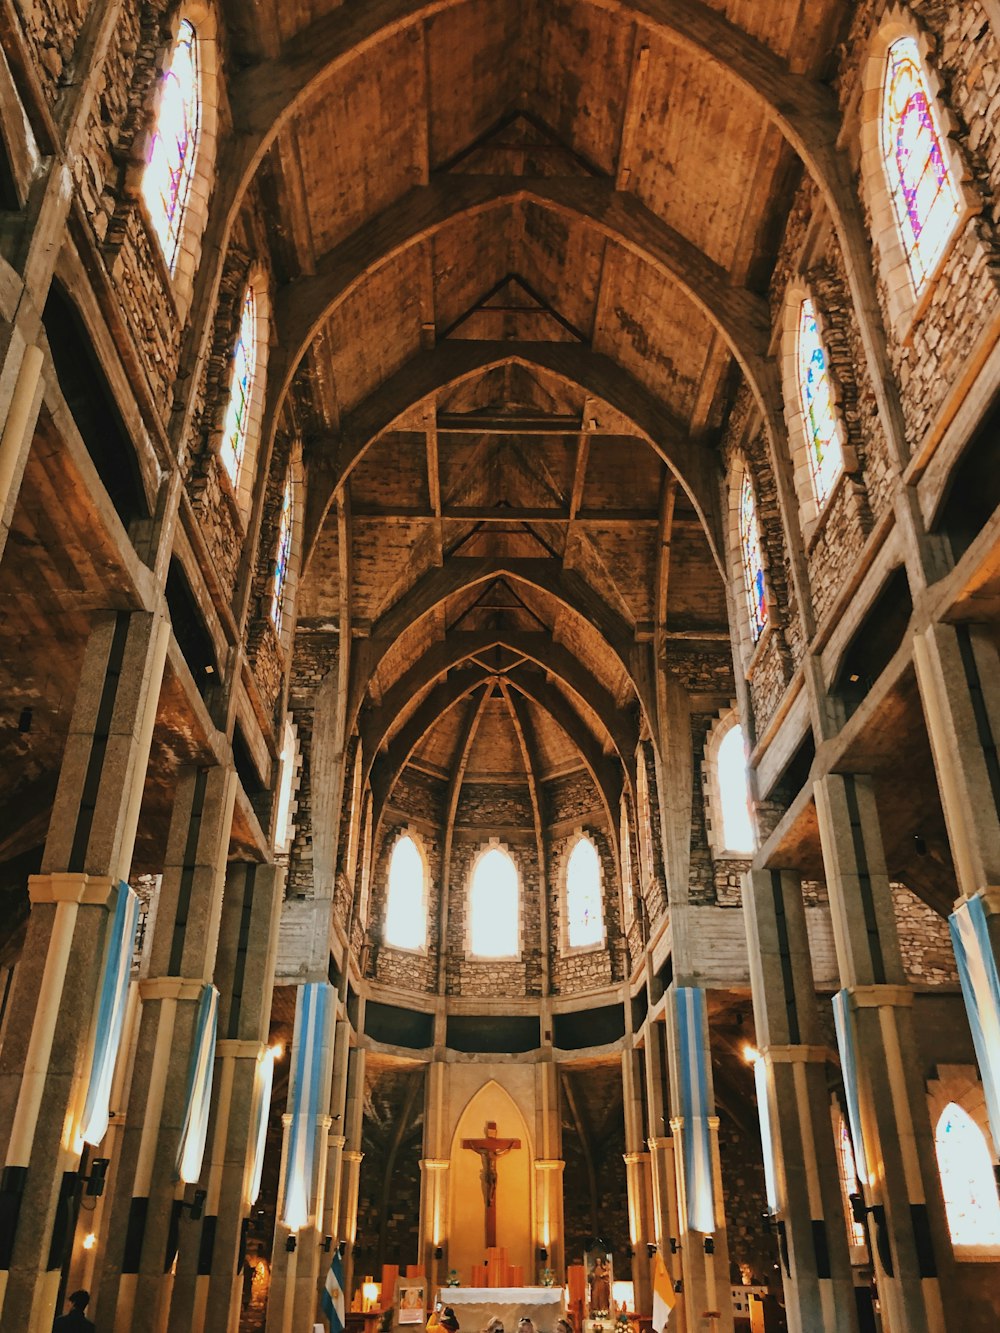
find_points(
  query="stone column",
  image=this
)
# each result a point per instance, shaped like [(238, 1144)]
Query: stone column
[(434, 1181), (663, 1176), (908, 1226), (637, 1177), (958, 672), (549, 1164), (147, 1219), (207, 1286), (818, 1282), (704, 1259), (337, 1141), (46, 1053), (353, 1157)]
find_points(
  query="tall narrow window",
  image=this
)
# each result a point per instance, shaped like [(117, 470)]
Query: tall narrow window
[(737, 826), (584, 918), (406, 905), (628, 886), (967, 1180), (752, 560), (166, 181), (282, 553), (849, 1182), (826, 457), (234, 432), (924, 195), (493, 906)]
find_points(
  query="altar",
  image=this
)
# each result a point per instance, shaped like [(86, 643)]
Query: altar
[(475, 1306)]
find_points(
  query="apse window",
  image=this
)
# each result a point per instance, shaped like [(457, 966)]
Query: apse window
[(584, 915), (406, 901), (282, 554), (967, 1181), (734, 794), (237, 424), (494, 903), (819, 413), (169, 172), (752, 560), (925, 196)]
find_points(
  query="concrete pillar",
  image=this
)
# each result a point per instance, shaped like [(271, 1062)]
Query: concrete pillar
[(663, 1175), (353, 1156), (435, 1221), (147, 1220), (46, 1053), (819, 1296), (337, 1140), (704, 1259), (549, 1166), (207, 1285), (909, 1232), (637, 1178), (958, 672)]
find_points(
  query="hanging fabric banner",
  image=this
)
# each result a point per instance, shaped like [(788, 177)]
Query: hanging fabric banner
[(194, 1129), (111, 1004), (310, 1088), (843, 1021), (699, 1185), (259, 1109), (977, 971), (766, 1140)]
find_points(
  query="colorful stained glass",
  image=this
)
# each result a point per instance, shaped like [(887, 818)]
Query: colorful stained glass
[(826, 457), (585, 922), (967, 1180), (166, 181), (924, 195), (281, 556), (753, 563), (234, 432)]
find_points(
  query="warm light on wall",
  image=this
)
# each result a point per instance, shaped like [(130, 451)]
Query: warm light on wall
[(89, 1241), (750, 1054), (371, 1294)]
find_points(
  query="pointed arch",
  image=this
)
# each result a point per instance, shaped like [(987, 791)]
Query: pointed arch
[(968, 1182), (583, 897), (493, 929), (241, 424), (406, 898)]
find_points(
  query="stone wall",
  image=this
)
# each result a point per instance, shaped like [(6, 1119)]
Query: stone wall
[(924, 941)]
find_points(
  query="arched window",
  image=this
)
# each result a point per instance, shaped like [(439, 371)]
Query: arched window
[(752, 560), (849, 1181), (628, 886), (731, 769), (406, 901), (166, 181), (234, 432), (967, 1180), (584, 918), (493, 906), (282, 553), (822, 429), (924, 195)]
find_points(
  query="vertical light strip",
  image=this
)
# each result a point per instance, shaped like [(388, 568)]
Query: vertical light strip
[(260, 1108), (977, 972), (194, 1130), (761, 1083), (311, 1040), (844, 1022), (699, 1185), (111, 1005)]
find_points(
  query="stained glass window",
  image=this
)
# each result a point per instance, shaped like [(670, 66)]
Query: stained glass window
[(405, 912), (585, 922), (753, 563), (924, 195), (734, 794), (819, 414), (281, 556), (628, 888), (493, 906), (166, 181), (234, 432), (967, 1179), (849, 1182)]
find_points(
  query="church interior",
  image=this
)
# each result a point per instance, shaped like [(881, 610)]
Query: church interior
[(499, 631)]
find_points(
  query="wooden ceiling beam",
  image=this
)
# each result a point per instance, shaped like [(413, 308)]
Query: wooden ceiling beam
[(502, 514)]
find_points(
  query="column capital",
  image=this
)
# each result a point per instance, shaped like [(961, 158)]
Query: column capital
[(796, 1055), (633, 1158), (549, 1164), (877, 997), (67, 887), (233, 1048), (433, 1163), (352, 1155), (662, 1141), (336, 1140), (990, 895), (172, 988), (676, 1124)]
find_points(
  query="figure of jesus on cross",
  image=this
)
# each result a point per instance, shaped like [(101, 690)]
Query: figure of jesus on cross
[(489, 1149)]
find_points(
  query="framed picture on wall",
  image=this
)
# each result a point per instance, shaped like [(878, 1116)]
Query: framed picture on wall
[(412, 1302)]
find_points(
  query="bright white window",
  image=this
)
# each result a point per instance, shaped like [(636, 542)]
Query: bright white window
[(406, 911), (967, 1180), (737, 827), (493, 906), (282, 554), (237, 423), (166, 182), (584, 919), (628, 887)]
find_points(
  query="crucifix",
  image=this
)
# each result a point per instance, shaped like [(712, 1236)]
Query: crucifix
[(489, 1149)]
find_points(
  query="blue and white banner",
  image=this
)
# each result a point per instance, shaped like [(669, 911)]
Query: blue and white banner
[(308, 1095), (111, 1005), (761, 1083), (331, 1302), (977, 971), (194, 1129), (259, 1110), (699, 1184), (843, 1020)]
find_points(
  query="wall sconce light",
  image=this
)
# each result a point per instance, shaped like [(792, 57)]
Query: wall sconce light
[(709, 1244), (629, 1252), (543, 1253), (95, 1181), (327, 1244), (197, 1205), (673, 1245), (651, 1250), (291, 1242), (439, 1252), (679, 1286)]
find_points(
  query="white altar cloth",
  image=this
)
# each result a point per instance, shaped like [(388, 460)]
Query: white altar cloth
[(475, 1306)]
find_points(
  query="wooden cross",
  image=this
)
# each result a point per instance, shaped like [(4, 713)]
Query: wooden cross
[(489, 1149)]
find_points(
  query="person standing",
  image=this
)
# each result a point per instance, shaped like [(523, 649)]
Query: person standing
[(75, 1321)]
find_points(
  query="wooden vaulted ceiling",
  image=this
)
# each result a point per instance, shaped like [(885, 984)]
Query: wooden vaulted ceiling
[(517, 244)]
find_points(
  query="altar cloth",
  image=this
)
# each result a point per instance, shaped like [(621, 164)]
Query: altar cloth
[(475, 1306)]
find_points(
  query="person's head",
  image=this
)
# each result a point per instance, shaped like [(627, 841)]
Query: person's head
[(524, 1325), (494, 1326), (563, 1326), (448, 1319), (79, 1300)]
